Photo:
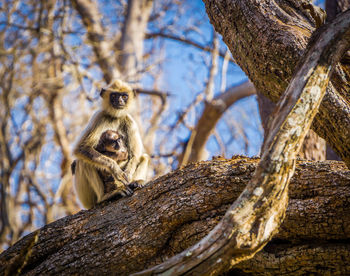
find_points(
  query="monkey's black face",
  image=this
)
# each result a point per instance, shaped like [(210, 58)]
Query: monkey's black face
[(118, 100), (117, 143)]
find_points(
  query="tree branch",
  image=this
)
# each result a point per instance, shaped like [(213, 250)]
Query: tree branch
[(212, 112), (176, 210), (133, 33), (152, 92), (185, 40), (92, 21)]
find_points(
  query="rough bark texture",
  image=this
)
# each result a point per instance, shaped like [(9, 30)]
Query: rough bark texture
[(175, 211), (267, 39), (334, 7)]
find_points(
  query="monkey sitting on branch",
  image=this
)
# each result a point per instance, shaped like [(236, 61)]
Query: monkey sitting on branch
[(111, 145), (113, 116)]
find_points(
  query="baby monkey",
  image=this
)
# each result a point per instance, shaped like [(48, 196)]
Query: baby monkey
[(111, 145)]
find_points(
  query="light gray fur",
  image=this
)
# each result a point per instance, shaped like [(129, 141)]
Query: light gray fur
[(88, 184)]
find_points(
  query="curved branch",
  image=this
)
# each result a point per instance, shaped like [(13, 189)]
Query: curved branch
[(212, 112), (256, 215), (185, 40), (91, 18)]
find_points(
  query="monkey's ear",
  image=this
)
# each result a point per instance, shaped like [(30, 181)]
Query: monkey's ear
[(102, 92)]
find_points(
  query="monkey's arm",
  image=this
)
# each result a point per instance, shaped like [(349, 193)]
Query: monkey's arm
[(135, 147), (85, 149), (100, 161)]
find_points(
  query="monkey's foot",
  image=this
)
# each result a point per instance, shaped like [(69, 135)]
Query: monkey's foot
[(116, 194), (136, 184)]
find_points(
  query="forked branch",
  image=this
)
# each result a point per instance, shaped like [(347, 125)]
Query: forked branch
[(256, 215)]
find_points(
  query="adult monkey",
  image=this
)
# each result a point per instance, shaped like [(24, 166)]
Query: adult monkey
[(114, 115)]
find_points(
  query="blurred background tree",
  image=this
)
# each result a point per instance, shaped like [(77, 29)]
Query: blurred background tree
[(55, 55)]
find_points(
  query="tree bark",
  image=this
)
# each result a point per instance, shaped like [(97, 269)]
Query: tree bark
[(267, 39), (176, 210), (333, 8)]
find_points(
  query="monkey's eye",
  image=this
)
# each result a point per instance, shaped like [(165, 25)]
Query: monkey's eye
[(125, 97), (116, 145)]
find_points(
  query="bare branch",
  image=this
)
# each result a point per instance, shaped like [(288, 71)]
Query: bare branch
[(91, 18), (133, 33), (209, 89), (152, 92), (212, 113), (185, 40)]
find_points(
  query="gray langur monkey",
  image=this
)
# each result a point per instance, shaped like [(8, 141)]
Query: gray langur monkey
[(114, 115)]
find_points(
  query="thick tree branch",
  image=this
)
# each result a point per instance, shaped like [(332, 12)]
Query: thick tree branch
[(176, 210)]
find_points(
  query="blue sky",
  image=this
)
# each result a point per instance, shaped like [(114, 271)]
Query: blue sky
[(184, 76)]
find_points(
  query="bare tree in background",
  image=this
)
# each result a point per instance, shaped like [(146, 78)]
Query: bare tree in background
[(54, 56)]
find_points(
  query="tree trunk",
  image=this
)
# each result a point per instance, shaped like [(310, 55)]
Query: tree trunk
[(176, 210), (333, 8), (133, 35), (313, 148), (267, 39)]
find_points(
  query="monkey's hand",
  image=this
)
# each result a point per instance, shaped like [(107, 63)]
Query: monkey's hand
[(136, 184), (122, 189), (117, 193), (118, 174), (129, 173)]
